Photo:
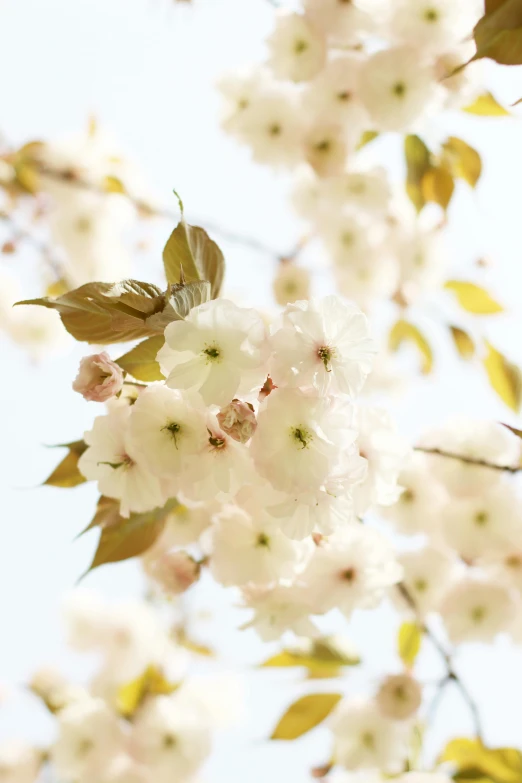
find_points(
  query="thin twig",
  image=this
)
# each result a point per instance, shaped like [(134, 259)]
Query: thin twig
[(20, 233), (451, 674), (469, 460)]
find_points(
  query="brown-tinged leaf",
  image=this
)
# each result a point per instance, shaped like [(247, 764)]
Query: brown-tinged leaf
[(462, 159), (492, 5), (66, 474), (305, 714), (190, 255), (473, 298), (437, 185), (133, 694), (123, 538), (140, 361), (498, 35), (403, 331), (504, 377), (486, 105), (514, 430), (418, 162), (409, 643), (463, 342)]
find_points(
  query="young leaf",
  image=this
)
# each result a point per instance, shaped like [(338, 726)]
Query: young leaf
[(132, 695), (514, 430), (403, 331), (437, 185), (418, 163), (305, 714), (366, 138), (322, 659), (498, 35), (486, 105), (504, 377), (113, 185), (463, 342), (463, 160), (473, 298), (66, 474), (191, 255), (499, 765), (140, 361), (125, 538), (409, 643)]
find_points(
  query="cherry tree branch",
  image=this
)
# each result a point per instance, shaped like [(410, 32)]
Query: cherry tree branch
[(19, 233), (469, 460)]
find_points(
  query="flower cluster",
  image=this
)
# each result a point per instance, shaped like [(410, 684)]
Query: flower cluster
[(139, 720), (336, 75), (256, 433), (469, 566)]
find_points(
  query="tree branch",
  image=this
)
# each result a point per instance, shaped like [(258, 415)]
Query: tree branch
[(469, 460), (19, 233)]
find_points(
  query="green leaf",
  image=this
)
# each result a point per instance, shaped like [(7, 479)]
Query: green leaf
[(123, 538), (140, 361), (403, 331), (504, 377), (486, 105), (418, 163), (437, 185), (464, 161), (409, 643), (323, 658), (366, 138), (463, 342), (103, 313), (190, 255), (473, 298), (498, 35), (500, 765), (305, 714), (66, 474), (133, 694)]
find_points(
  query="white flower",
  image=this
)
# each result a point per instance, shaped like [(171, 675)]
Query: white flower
[(368, 279), (325, 148), (504, 567), (247, 546), (433, 25), (84, 617), (364, 739), (213, 350), (343, 22), (240, 91), (422, 502), (37, 330), (476, 611), (386, 452), (332, 96), (428, 575), (273, 128), (351, 570), (185, 524), (423, 259), (89, 737), (278, 608), (297, 51), (19, 763), (399, 696), (365, 192), (465, 86), (169, 739), (300, 439), (291, 283), (475, 439), (346, 237), (122, 770), (114, 463), (323, 343), (217, 697), (173, 571), (483, 525), (166, 427), (396, 88)]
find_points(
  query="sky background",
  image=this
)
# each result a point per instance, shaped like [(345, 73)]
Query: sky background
[(147, 71)]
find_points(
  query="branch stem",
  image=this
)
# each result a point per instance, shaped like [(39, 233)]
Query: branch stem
[(469, 460)]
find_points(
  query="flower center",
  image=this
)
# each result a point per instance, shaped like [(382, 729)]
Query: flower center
[(212, 353), (216, 441), (420, 585), (349, 575), (344, 95), (399, 89), (263, 540), (275, 129), (126, 462), (325, 354), (174, 428), (324, 145), (169, 741), (481, 518), (301, 436), (478, 613), (431, 15), (407, 496), (300, 46), (368, 740), (513, 561)]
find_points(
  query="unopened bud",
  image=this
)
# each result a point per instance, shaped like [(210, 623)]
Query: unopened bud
[(173, 571), (399, 697), (238, 420), (99, 378)]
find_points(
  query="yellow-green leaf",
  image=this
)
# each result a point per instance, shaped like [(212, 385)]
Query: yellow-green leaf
[(462, 159), (113, 185), (409, 643), (190, 255), (129, 537), (322, 658), (305, 714), (437, 185), (500, 765), (486, 105), (140, 362), (366, 138), (473, 298), (504, 377), (418, 162), (66, 474), (402, 332), (132, 695), (57, 288), (463, 342)]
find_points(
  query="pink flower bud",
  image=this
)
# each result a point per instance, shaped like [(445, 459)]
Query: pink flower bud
[(238, 420), (173, 571), (99, 378)]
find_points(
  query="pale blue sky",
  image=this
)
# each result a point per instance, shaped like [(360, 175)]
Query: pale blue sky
[(147, 70)]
